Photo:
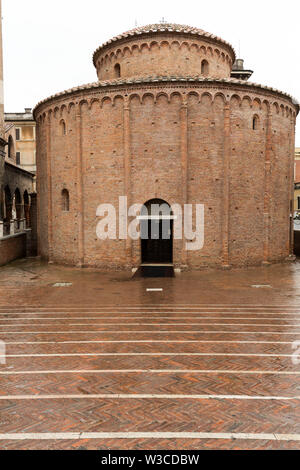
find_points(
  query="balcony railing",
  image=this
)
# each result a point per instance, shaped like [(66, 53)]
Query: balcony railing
[(13, 227)]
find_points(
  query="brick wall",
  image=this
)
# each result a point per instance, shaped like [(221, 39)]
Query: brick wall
[(43, 178), (177, 142), (12, 247), (164, 55)]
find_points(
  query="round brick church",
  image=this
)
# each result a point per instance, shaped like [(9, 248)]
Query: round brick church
[(171, 119)]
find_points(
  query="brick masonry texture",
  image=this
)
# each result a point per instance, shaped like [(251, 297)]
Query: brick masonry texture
[(165, 131), (12, 247), (180, 376), (163, 47), (167, 54)]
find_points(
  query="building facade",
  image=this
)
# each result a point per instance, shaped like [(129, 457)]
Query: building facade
[(167, 121), (17, 196), (20, 127), (18, 183), (2, 139)]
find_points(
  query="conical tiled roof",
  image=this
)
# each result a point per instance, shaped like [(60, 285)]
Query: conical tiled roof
[(164, 27)]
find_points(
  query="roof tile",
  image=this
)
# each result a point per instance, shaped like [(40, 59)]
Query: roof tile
[(162, 27), (155, 79)]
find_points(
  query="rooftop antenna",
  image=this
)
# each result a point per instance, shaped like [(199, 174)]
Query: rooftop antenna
[(163, 21)]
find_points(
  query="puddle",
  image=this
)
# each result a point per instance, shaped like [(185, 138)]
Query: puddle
[(154, 271), (62, 284), (262, 286)]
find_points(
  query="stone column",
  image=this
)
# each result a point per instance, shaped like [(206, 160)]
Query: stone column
[(80, 213), (184, 170), (226, 187), (12, 227), (267, 194), (19, 211), (22, 225)]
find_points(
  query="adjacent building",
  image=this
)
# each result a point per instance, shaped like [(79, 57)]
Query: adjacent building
[(17, 180), (20, 130), (2, 139), (19, 172)]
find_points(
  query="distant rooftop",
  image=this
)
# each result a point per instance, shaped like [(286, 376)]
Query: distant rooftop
[(26, 115)]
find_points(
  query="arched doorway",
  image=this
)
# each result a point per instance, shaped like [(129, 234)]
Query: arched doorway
[(156, 232)]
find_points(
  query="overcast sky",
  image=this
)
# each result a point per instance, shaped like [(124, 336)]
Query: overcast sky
[(48, 44)]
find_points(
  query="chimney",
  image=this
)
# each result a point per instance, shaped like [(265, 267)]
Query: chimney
[(28, 110), (239, 72), (238, 65)]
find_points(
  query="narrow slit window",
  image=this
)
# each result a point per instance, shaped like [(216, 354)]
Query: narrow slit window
[(65, 200), (63, 127), (255, 123)]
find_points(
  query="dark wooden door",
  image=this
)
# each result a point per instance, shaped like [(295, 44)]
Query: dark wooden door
[(157, 249)]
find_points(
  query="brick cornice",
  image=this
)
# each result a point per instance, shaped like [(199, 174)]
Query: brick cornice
[(184, 81), (168, 28)]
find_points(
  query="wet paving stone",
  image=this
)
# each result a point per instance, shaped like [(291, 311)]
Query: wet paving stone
[(207, 354)]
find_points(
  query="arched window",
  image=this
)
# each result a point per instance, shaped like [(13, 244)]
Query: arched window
[(117, 71), (65, 200), (11, 147), (255, 123), (63, 127), (204, 68)]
